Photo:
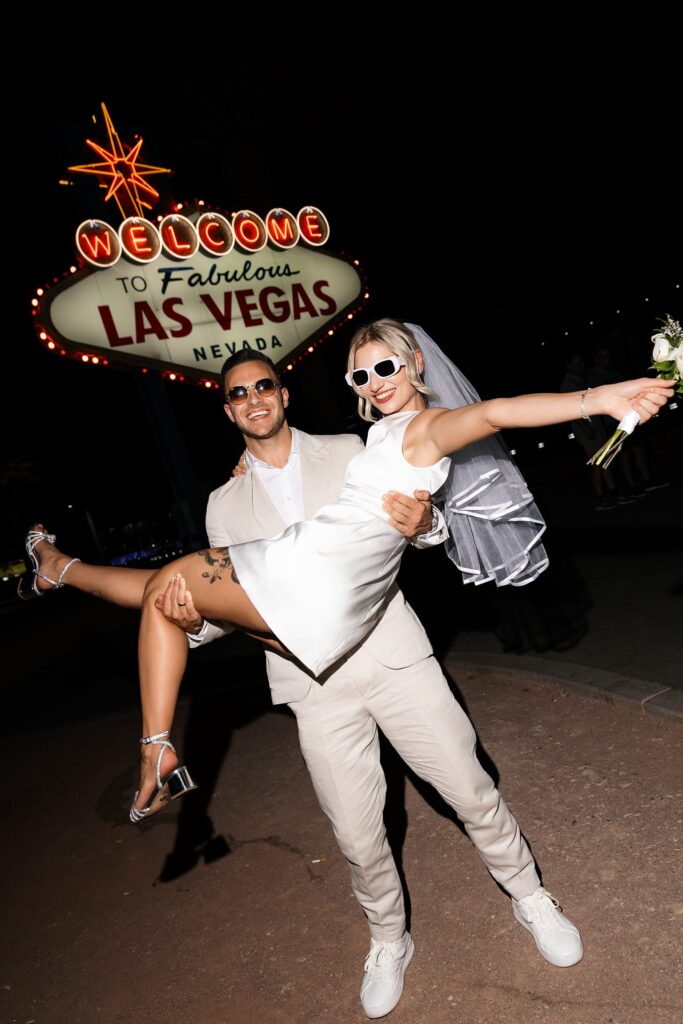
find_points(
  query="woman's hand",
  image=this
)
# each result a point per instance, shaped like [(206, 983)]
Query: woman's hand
[(646, 396)]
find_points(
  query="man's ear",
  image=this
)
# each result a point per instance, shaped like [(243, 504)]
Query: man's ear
[(228, 412), (285, 396)]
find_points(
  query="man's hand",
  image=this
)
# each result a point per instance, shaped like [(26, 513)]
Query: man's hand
[(176, 604), (410, 516)]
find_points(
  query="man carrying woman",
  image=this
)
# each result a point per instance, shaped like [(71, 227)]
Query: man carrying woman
[(320, 625)]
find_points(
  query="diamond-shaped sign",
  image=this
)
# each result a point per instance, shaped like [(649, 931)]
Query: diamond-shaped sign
[(191, 315)]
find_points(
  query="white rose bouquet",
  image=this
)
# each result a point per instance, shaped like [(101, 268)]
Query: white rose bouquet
[(667, 360)]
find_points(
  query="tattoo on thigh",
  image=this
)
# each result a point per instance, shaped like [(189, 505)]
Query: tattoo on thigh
[(217, 566)]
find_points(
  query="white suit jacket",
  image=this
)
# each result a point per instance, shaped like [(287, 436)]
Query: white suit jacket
[(241, 510)]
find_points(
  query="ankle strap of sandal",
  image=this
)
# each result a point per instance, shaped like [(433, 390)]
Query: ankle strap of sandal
[(60, 579), (157, 738), (162, 739)]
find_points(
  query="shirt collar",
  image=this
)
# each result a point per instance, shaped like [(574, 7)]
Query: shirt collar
[(254, 463)]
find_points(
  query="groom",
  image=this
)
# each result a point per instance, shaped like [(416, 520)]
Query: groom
[(391, 681)]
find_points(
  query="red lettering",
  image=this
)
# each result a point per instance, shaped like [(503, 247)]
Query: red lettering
[(301, 302), (247, 307), (184, 323), (173, 243), (141, 240), (96, 242), (147, 322), (329, 305), (215, 235), (115, 340), (250, 231), (276, 311), (280, 229), (223, 319), (247, 231), (312, 227), (136, 238)]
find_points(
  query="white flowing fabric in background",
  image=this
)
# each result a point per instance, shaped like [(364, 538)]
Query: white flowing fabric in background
[(495, 526)]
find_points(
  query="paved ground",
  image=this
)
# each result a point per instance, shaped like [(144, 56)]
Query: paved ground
[(269, 931), (235, 907)]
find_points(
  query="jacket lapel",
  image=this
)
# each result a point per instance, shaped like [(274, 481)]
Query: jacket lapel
[(316, 472), (264, 520), (266, 516)]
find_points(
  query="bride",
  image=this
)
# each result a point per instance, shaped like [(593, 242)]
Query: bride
[(316, 590)]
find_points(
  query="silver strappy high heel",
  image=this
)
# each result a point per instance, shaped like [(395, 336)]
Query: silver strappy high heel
[(175, 784), (28, 588)]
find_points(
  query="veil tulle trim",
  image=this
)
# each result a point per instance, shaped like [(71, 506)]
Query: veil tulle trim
[(494, 524)]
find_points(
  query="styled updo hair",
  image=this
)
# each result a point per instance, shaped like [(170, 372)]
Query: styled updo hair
[(400, 340)]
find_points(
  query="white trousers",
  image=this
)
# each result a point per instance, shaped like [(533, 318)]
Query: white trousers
[(418, 714)]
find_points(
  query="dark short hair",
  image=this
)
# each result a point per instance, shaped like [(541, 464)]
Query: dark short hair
[(246, 355)]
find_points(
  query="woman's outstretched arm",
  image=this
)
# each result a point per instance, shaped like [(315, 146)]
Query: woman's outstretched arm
[(438, 432)]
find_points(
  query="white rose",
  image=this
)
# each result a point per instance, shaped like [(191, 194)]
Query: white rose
[(678, 356), (661, 349)]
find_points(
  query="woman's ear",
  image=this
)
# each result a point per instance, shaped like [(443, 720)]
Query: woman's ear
[(419, 361)]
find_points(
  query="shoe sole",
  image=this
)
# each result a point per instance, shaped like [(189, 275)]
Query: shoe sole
[(406, 964), (174, 785), (557, 962)]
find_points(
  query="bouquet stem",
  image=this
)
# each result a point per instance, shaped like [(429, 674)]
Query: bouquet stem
[(611, 448)]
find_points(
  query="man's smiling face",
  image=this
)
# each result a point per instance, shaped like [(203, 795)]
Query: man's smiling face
[(259, 415)]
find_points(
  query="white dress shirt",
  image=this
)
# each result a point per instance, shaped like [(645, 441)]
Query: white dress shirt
[(283, 485)]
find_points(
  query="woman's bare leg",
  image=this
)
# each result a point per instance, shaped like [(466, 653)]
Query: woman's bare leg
[(163, 647), (118, 585)]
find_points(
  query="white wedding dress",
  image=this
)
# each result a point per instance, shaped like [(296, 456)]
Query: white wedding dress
[(320, 584)]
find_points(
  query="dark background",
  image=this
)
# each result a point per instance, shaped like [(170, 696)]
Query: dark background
[(543, 148)]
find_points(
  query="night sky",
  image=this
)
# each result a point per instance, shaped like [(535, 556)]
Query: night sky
[(502, 178)]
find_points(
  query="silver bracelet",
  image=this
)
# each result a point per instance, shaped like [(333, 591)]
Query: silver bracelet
[(584, 414)]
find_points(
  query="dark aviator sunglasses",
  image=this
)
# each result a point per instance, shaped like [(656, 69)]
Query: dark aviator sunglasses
[(264, 387)]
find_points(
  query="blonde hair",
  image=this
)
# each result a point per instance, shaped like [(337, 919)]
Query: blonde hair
[(400, 340)]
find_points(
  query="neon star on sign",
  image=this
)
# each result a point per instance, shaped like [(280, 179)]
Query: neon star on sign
[(123, 171)]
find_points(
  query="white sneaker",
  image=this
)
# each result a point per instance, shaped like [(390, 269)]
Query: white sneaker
[(557, 938), (385, 966)]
